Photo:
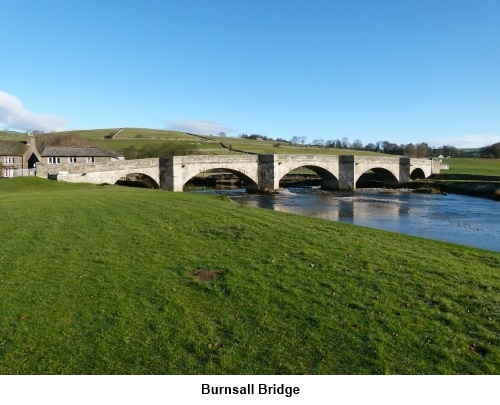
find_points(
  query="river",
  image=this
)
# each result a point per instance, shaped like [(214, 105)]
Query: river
[(454, 218)]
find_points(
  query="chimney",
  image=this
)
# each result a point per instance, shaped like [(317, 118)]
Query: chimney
[(31, 140)]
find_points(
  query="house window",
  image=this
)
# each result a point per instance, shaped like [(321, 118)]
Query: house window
[(54, 160), (9, 172), (90, 159), (72, 159), (10, 160)]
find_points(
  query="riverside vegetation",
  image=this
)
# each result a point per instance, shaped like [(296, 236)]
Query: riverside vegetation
[(114, 280)]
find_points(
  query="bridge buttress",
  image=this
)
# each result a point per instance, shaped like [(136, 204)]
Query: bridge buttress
[(266, 173), (404, 170), (167, 175), (346, 172)]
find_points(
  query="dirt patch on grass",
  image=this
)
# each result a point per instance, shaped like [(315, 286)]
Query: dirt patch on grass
[(207, 275), (478, 349)]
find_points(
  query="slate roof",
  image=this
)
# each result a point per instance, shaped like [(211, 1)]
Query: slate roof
[(12, 148), (74, 151)]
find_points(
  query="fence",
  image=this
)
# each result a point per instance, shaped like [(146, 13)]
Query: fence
[(23, 172)]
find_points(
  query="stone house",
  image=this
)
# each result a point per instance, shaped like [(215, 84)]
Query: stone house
[(18, 158), (59, 155)]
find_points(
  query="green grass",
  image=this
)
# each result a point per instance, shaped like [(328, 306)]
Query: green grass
[(144, 133), (86, 133), (99, 280), (490, 167), (13, 136), (120, 144)]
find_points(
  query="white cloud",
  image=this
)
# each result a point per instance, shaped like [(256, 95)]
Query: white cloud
[(14, 115), (467, 141), (198, 127)]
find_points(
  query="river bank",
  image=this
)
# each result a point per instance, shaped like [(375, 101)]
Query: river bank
[(451, 217), (484, 189)]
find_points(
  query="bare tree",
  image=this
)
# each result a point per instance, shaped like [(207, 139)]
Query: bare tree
[(330, 143), (357, 144), (410, 150), (68, 140)]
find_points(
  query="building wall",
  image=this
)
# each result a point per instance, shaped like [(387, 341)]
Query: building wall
[(6, 165), (79, 159)]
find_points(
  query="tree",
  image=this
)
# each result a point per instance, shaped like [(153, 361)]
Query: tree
[(318, 142), (410, 150), (330, 143), (295, 140), (492, 151), (67, 140), (222, 134), (345, 143), (390, 147), (370, 147), (381, 146), (357, 144), (423, 150)]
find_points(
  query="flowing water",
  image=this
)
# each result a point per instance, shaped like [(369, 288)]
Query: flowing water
[(460, 219)]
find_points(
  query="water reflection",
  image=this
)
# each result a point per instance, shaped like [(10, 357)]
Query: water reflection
[(460, 219)]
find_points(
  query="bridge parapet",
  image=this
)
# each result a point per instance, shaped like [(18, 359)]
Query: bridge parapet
[(44, 169), (214, 159), (103, 172)]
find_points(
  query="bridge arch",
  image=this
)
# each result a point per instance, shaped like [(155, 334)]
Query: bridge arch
[(138, 178), (422, 168), (379, 176), (328, 180), (247, 181), (417, 174)]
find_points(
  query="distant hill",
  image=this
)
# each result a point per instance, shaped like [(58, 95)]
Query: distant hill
[(119, 139), (12, 135)]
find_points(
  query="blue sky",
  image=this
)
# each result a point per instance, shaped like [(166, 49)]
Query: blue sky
[(397, 70)]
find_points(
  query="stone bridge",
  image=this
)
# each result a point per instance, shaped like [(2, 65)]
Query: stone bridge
[(98, 173), (258, 172)]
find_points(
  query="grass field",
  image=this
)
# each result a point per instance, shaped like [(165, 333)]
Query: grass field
[(12, 136), (139, 133), (490, 167), (111, 280)]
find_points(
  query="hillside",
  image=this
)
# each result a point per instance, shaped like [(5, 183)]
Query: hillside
[(119, 139)]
